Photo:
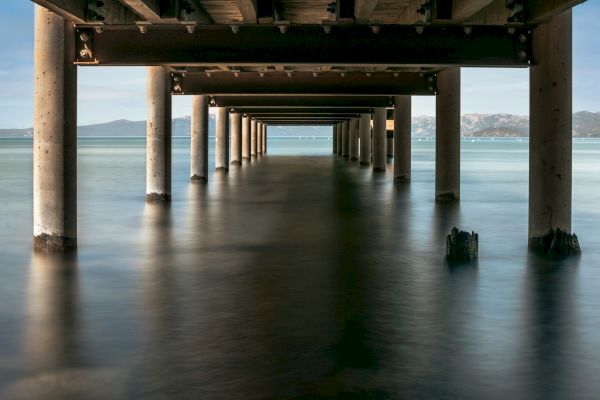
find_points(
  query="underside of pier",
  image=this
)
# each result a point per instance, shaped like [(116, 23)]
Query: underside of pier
[(350, 64)]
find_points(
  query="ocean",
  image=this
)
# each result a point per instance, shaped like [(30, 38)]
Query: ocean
[(298, 276)]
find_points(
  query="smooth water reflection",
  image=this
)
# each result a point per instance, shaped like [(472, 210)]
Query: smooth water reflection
[(299, 277)]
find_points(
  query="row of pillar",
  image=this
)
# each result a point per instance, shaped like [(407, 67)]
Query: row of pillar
[(237, 138), (55, 134), (364, 138)]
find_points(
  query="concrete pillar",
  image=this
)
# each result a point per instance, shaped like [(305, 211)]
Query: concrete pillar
[(264, 139), (550, 141), (199, 139), (334, 138), (402, 150), (364, 133), (246, 137), (447, 141), (379, 139), (339, 138), (354, 139), (346, 139), (222, 139), (389, 144), (253, 129), (158, 136), (259, 136), (54, 135), (236, 138)]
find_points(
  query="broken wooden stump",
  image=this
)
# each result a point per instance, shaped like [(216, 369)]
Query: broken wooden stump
[(462, 246)]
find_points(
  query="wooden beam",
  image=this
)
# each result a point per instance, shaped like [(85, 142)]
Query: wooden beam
[(248, 10), (540, 11), (198, 14), (465, 9), (304, 83), (363, 10), (262, 46), (110, 12), (147, 9)]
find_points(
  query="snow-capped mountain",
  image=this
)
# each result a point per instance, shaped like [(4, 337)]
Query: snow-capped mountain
[(585, 124)]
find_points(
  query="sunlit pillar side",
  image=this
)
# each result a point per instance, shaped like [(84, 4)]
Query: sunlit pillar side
[(199, 139), (158, 136), (54, 134), (222, 139)]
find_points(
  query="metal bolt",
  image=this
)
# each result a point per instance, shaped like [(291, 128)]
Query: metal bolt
[(327, 28), (522, 38), (235, 28), (190, 28), (84, 36), (375, 28)]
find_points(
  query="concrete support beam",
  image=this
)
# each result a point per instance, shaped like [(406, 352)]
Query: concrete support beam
[(447, 142), (347, 45), (222, 139), (334, 138), (354, 139), (305, 83), (199, 139), (236, 138), (402, 143), (346, 139), (364, 133), (158, 136), (323, 103), (246, 143), (379, 139), (340, 140), (54, 135), (253, 129), (259, 137), (550, 143)]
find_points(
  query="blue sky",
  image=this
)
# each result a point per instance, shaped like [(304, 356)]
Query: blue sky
[(107, 94)]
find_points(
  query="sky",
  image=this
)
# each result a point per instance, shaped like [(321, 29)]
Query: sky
[(110, 93)]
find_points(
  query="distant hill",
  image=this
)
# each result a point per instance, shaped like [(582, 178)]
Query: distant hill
[(585, 124)]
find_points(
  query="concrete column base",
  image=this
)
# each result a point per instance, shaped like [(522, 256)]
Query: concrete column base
[(402, 178), (353, 158), (447, 196), (53, 244), (555, 244), (157, 197), (198, 178), (236, 163)]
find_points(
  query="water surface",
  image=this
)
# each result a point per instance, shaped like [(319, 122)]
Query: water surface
[(299, 276)]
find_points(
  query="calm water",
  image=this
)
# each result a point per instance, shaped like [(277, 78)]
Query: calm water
[(300, 276)]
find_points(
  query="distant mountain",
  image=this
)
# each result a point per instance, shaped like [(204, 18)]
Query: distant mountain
[(585, 124)]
